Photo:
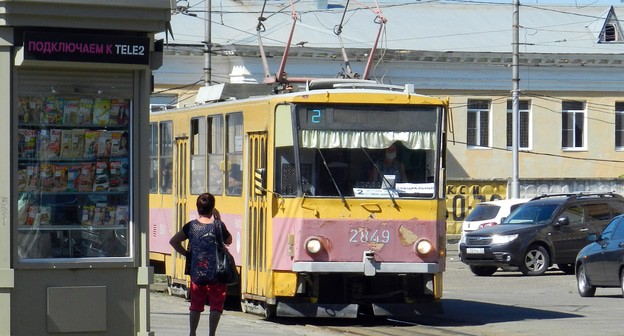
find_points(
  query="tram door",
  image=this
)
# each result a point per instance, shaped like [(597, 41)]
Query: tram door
[(258, 247), (179, 191)]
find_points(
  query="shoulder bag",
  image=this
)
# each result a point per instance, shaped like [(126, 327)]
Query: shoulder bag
[(226, 266)]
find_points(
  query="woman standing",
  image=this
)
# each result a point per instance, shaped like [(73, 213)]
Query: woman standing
[(203, 235)]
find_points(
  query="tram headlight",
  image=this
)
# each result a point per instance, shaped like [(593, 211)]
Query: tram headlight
[(423, 247), (313, 245)]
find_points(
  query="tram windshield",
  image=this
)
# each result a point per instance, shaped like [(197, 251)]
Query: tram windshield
[(366, 151)]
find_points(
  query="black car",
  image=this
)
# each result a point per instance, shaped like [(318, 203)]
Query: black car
[(601, 263), (547, 230)]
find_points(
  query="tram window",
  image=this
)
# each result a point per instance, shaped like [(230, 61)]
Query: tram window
[(198, 155), (215, 155), (166, 156), (153, 153), (286, 172), (234, 154), (342, 153)]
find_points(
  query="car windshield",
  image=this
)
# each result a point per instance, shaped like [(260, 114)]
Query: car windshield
[(483, 212), (531, 214)]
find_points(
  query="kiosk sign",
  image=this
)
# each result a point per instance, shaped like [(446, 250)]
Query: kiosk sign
[(119, 49)]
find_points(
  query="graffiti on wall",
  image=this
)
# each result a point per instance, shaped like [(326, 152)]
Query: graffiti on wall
[(463, 196)]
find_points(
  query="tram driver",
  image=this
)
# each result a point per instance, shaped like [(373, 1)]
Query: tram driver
[(389, 165)]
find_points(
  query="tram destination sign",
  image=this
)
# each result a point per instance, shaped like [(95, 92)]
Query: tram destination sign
[(70, 47)]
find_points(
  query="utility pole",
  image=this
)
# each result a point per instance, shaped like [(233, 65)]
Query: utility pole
[(515, 94), (208, 43)]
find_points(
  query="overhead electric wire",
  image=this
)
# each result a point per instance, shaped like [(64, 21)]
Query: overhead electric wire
[(224, 10), (524, 151), (177, 87)]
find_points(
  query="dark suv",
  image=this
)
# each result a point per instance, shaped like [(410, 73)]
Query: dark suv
[(547, 230)]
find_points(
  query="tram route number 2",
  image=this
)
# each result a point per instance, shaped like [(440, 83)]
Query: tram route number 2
[(364, 235)]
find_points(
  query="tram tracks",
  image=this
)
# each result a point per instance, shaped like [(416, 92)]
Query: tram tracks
[(375, 326)]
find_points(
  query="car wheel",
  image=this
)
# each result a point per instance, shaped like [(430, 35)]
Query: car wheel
[(536, 261), (483, 270), (584, 288), (566, 268)]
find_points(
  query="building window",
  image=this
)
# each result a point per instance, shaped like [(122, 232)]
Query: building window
[(610, 33), (573, 125), (478, 123), (619, 125), (523, 119)]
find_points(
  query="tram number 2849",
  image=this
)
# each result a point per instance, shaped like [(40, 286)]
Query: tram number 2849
[(364, 235)]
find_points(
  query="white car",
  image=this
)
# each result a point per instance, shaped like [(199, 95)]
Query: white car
[(490, 213)]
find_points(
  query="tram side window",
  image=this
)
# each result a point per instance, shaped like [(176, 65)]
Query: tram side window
[(166, 156), (198, 155), (153, 153), (234, 154), (215, 155), (286, 171)]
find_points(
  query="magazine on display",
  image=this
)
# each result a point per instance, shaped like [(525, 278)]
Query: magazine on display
[(119, 114), (33, 177), (73, 177), (70, 111), (78, 143), (30, 110), (60, 178), (109, 216), (54, 145), (33, 212), (27, 142), (85, 112), (66, 144), (119, 143), (104, 145), (91, 138), (87, 176), (121, 215), (119, 175), (53, 110), (102, 176), (99, 213), (88, 213), (101, 111), (46, 177)]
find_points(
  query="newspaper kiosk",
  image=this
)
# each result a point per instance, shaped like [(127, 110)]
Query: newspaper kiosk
[(73, 202)]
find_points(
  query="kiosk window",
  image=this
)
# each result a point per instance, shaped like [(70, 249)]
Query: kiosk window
[(74, 166)]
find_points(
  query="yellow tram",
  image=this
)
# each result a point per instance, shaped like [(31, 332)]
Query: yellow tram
[(320, 226)]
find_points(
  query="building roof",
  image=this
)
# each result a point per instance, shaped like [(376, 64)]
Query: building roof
[(414, 26)]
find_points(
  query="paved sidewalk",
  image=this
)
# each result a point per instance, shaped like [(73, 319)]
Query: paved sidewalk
[(169, 317)]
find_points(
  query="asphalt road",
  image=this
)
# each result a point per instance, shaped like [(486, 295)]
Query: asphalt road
[(506, 303)]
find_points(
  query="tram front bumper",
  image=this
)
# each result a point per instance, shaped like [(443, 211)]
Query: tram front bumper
[(368, 266)]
